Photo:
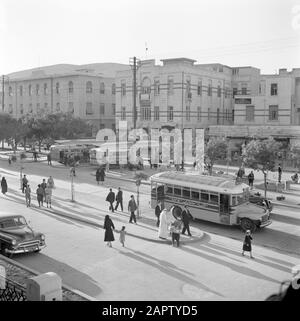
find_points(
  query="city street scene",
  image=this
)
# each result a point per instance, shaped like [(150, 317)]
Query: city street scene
[(140, 164)]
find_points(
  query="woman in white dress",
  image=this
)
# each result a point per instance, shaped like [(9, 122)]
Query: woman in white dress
[(165, 220)]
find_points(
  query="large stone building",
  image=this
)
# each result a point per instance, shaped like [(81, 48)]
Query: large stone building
[(86, 91)]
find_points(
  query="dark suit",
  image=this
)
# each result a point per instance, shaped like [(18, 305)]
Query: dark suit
[(186, 217), (111, 198), (119, 200)]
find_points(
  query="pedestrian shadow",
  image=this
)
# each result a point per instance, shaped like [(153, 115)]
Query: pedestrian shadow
[(170, 271), (236, 268), (70, 276), (290, 265)]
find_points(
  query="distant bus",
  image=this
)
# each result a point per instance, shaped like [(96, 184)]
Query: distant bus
[(209, 198)]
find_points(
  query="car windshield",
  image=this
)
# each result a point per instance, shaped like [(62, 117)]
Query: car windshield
[(12, 222)]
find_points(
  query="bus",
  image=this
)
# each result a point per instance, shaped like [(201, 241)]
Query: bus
[(210, 198)]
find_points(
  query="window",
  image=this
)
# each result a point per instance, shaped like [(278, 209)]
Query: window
[(45, 89), (71, 107), (186, 193), (218, 116), (21, 90), (123, 89), (37, 89), (30, 108), (113, 89), (89, 87), (273, 112), (219, 91), (38, 108), (46, 106), (123, 113), (259, 89), (234, 91), (21, 109), (10, 93), (209, 89), (204, 197), (177, 191), (249, 113), (57, 88), (214, 198), (199, 88), (146, 113), (170, 115), (29, 90), (156, 113), (188, 113), (71, 87), (113, 109), (232, 115), (169, 190), (170, 86), (274, 89), (102, 88), (226, 93), (198, 113), (195, 195), (89, 109), (57, 106), (146, 86), (188, 89), (244, 90), (102, 108), (156, 88)]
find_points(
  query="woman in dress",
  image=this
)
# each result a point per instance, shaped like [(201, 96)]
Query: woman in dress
[(165, 219), (247, 244), (109, 227), (3, 185)]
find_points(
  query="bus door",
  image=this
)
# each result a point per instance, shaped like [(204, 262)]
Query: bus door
[(224, 209)]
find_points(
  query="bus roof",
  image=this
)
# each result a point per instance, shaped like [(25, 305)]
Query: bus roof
[(197, 181)]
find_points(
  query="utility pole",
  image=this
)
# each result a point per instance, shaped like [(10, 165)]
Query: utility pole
[(134, 63), (2, 92)]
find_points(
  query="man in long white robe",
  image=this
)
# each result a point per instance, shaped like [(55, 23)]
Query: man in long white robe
[(165, 219)]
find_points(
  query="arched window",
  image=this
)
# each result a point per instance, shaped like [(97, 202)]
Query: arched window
[(29, 90), (102, 88), (89, 87), (45, 89), (71, 88), (57, 87), (21, 90), (37, 88), (113, 89), (146, 86)]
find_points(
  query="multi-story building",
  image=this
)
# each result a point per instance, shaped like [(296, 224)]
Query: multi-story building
[(86, 91)]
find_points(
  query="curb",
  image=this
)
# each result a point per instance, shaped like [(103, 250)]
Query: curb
[(66, 287), (287, 205)]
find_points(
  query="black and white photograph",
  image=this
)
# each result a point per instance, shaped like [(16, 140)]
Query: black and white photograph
[(149, 152)]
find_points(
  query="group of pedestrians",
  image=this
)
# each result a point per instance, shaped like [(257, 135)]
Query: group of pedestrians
[(100, 175), (109, 227), (43, 191), (132, 206)]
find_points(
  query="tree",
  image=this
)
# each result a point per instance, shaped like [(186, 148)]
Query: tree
[(215, 149), (261, 155), (40, 128), (6, 127), (295, 155)]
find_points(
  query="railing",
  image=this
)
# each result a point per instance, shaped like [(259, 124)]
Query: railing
[(13, 291)]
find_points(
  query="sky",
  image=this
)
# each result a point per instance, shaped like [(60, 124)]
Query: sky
[(260, 33)]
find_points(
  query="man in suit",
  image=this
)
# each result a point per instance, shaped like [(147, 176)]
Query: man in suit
[(119, 199), (186, 217), (111, 198)]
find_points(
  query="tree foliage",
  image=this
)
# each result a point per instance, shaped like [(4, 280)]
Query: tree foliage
[(215, 149)]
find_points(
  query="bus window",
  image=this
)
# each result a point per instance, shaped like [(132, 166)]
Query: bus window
[(234, 202), (186, 193), (204, 197), (224, 203), (214, 198), (195, 195), (177, 191), (169, 190)]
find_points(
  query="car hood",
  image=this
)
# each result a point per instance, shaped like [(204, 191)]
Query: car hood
[(20, 234), (251, 211)]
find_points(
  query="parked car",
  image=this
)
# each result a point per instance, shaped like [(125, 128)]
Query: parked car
[(16, 236), (256, 198)]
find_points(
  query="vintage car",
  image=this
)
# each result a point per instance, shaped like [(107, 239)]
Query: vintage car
[(257, 199), (16, 236)]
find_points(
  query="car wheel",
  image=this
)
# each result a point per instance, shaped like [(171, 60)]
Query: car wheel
[(247, 224)]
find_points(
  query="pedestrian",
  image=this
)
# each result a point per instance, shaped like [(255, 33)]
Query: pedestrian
[(49, 159), (50, 182), (28, 195), (9, 160), (109, 227), (186, 217), (157, 212), (175, 230), (40, 193), (122, 236), (24, 183), (35, 155), (98, 175), (247, 244), (111, 198), (43, 186), (165, 219), (72, 171), (102, 175), (3, 185), (251, 179), (132, 207), (279, 173), (119, 199), (48, 194)]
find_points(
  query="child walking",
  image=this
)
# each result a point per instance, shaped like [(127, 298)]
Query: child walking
[(122, 236)]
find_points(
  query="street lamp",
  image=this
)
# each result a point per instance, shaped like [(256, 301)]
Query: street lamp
[(138, 183), (72, 184)]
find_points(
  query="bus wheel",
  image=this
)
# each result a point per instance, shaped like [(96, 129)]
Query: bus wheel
[(247, 224)]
